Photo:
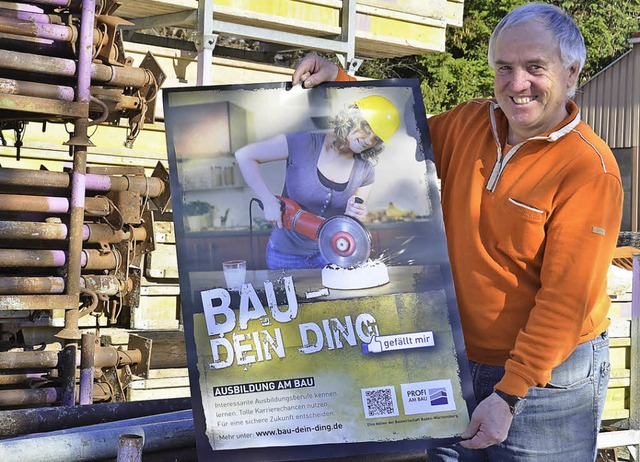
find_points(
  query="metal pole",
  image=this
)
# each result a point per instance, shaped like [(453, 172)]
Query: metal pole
[(103, 285), (205, 42), (79, 143), (104, 357), (176, 430), (39, 420), (87, 364), (14, 177), (46, 395), (92, 232), (90, 259), (130, 448), (68, 372), (34, 29), (96, 206), (35, 16), (113, 75), (40, 90)]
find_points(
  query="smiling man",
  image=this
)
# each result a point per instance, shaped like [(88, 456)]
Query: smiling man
[(532, 202), (532, 82)]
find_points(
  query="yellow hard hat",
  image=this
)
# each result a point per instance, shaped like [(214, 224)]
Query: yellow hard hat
[(381, 115)]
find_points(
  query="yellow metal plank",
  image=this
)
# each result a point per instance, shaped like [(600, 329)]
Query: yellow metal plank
[(383, 27), (154, 384), (619, 357), (619, 382), (432, 9), (455, 12), (615, 414), (617, 398), (162, 393)]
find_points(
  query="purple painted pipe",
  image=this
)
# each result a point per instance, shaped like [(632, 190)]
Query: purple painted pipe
[(32, 29), (20, 6), (35, 16)]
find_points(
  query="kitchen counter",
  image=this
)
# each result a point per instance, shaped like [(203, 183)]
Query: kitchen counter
[(402, 279), (244, 230), (398, 242)]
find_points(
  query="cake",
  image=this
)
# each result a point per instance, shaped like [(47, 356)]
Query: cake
[(369, 274)]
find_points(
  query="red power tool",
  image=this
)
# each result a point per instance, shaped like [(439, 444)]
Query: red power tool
[(343, 240)]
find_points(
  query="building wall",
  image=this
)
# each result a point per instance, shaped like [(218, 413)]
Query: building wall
[(610, 104)]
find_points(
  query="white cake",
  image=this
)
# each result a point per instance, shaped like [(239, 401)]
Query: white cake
[(369, 274)]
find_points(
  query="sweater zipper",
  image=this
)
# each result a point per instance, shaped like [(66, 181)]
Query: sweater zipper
[(501, 161), (495, 173)]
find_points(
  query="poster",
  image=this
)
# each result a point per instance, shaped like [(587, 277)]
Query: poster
[(307, 354)]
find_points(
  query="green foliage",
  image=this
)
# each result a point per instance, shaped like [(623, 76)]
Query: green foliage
[(462, 72)]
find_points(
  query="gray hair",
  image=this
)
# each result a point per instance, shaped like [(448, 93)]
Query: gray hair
[(563, 27)]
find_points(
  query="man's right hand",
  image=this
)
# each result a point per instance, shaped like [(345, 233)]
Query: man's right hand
[(489, 424), (312, 70)]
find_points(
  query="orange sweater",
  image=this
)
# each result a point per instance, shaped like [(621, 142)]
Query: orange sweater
[(531, 234)]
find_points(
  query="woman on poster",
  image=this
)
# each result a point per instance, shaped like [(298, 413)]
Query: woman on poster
[(327, 174)]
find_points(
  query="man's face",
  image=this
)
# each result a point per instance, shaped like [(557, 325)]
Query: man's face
[(531, 82)]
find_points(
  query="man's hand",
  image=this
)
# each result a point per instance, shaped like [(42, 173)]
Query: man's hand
[(312, 70), (489, 424)]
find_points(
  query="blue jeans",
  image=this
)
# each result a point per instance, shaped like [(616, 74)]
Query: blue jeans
[(280, 260), (559, 423)]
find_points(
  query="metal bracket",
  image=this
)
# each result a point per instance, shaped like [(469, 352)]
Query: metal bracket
[(163, 201), (145, 345), (206, 42), (354, 65)]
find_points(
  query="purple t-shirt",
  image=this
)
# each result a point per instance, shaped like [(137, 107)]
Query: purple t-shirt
[(303, 185)]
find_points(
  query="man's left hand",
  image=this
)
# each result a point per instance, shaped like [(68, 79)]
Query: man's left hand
[(489, 424)]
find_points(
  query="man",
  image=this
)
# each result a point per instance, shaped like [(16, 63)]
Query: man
[(532, 203)]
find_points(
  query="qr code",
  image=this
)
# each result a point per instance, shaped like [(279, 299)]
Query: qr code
[(379, 402)]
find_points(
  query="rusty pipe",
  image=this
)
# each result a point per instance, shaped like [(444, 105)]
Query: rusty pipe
[(79, 142), (29, 397), (92, 233), (45, 395), (114, 97), (20, 379), (14, 177), (39, 90), (87, 355), (31, 285), (101, 284), (33, 15), (55, 32), (99, 233), (95, 206), (104, 357), (90, 259), (123, 76)]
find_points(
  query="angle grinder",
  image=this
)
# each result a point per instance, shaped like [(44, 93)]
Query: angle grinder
[(343, 240)]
